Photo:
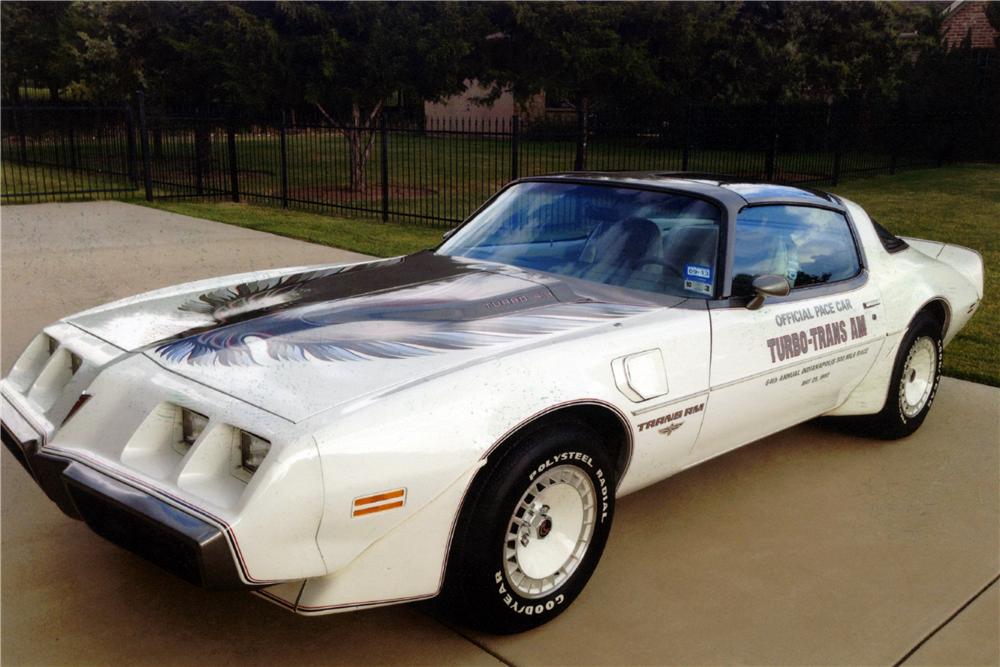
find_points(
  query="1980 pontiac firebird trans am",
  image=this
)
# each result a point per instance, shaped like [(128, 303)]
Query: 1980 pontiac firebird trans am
[(458, 422)]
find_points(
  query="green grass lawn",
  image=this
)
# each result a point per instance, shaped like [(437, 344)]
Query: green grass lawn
[(366, 236), (959, 204)]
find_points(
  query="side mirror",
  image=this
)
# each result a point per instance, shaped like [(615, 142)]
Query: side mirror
[(765, 286), (448, 234)]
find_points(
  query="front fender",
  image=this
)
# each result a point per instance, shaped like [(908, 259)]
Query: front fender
[(427, 440)]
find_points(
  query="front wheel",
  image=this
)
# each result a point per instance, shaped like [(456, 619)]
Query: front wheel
[(532, 531)]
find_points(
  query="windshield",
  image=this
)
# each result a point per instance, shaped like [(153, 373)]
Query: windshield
[(640, 239)]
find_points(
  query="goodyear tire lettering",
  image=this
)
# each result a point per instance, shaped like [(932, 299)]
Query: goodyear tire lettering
[(529, 608)]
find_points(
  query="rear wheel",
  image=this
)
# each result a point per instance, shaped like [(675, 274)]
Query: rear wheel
[(532, 531), (915, 378)]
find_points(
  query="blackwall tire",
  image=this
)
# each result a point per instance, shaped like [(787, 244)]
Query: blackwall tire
[(914, 382), (531, 532)]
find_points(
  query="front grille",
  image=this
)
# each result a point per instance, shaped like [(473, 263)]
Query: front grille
[(174, 552)]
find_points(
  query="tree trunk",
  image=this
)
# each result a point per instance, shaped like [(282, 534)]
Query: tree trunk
[(361, 138), (582, 111), (358, 180)]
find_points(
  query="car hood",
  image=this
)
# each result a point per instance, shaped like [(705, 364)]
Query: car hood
[(300, 343)]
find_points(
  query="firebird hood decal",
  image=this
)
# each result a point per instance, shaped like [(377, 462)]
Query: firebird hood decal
[(303, 342), (457, 313)]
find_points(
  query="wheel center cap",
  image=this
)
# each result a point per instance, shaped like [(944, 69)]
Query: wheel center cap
[(544, 528)]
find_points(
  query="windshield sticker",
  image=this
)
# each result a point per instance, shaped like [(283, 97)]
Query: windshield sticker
[(698, 278), (698, 272), (699, 287)]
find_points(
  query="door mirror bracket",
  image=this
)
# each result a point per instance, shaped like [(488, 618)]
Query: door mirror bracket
[(765, 286)]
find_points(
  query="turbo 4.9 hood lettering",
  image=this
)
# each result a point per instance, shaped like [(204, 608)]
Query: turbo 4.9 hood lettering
[(303, 342)]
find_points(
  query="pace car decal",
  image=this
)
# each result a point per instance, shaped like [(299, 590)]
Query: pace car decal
[(819, 337), (799, 315), (459, 312)]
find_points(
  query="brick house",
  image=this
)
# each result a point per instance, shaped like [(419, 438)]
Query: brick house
[(968, 18), (465, 106)]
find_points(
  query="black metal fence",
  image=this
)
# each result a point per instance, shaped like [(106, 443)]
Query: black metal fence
[(440, 171), (66, 152)]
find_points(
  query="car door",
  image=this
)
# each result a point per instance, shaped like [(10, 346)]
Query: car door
[(796, 356)]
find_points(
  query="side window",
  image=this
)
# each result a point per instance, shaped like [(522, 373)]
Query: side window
[(809, 246)]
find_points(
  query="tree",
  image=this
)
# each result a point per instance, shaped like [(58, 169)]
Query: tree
[(821, 51), (573, 51), (993, 16), (190, 54), (36, 39), (201, 57), (683, 41), (353, 57)]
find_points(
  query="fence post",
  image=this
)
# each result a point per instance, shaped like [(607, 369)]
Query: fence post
[(199, 157), (384, 135), (130, 156), (686, 154), (582, 129), (772, 146), (894, 138), (284, 163), (835, 139), (22, 135), (73, 163), (515, 139), (147, 173), (234, 178)]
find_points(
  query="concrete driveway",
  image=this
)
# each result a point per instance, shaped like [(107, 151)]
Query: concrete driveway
[(809, 547)]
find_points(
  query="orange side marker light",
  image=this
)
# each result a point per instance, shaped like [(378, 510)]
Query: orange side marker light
[(379, 502)]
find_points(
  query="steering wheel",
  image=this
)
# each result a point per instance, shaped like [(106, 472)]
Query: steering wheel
[(667, 267)]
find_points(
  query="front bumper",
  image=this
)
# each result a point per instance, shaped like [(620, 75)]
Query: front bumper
[(177, 541)]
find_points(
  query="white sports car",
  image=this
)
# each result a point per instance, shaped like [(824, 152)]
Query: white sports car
[(459, 422)]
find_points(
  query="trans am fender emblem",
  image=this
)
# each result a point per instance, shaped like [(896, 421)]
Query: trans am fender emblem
[(670, 428)]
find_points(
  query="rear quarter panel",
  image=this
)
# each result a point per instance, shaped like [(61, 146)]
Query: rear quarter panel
[(908, 280), (912, 278)]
